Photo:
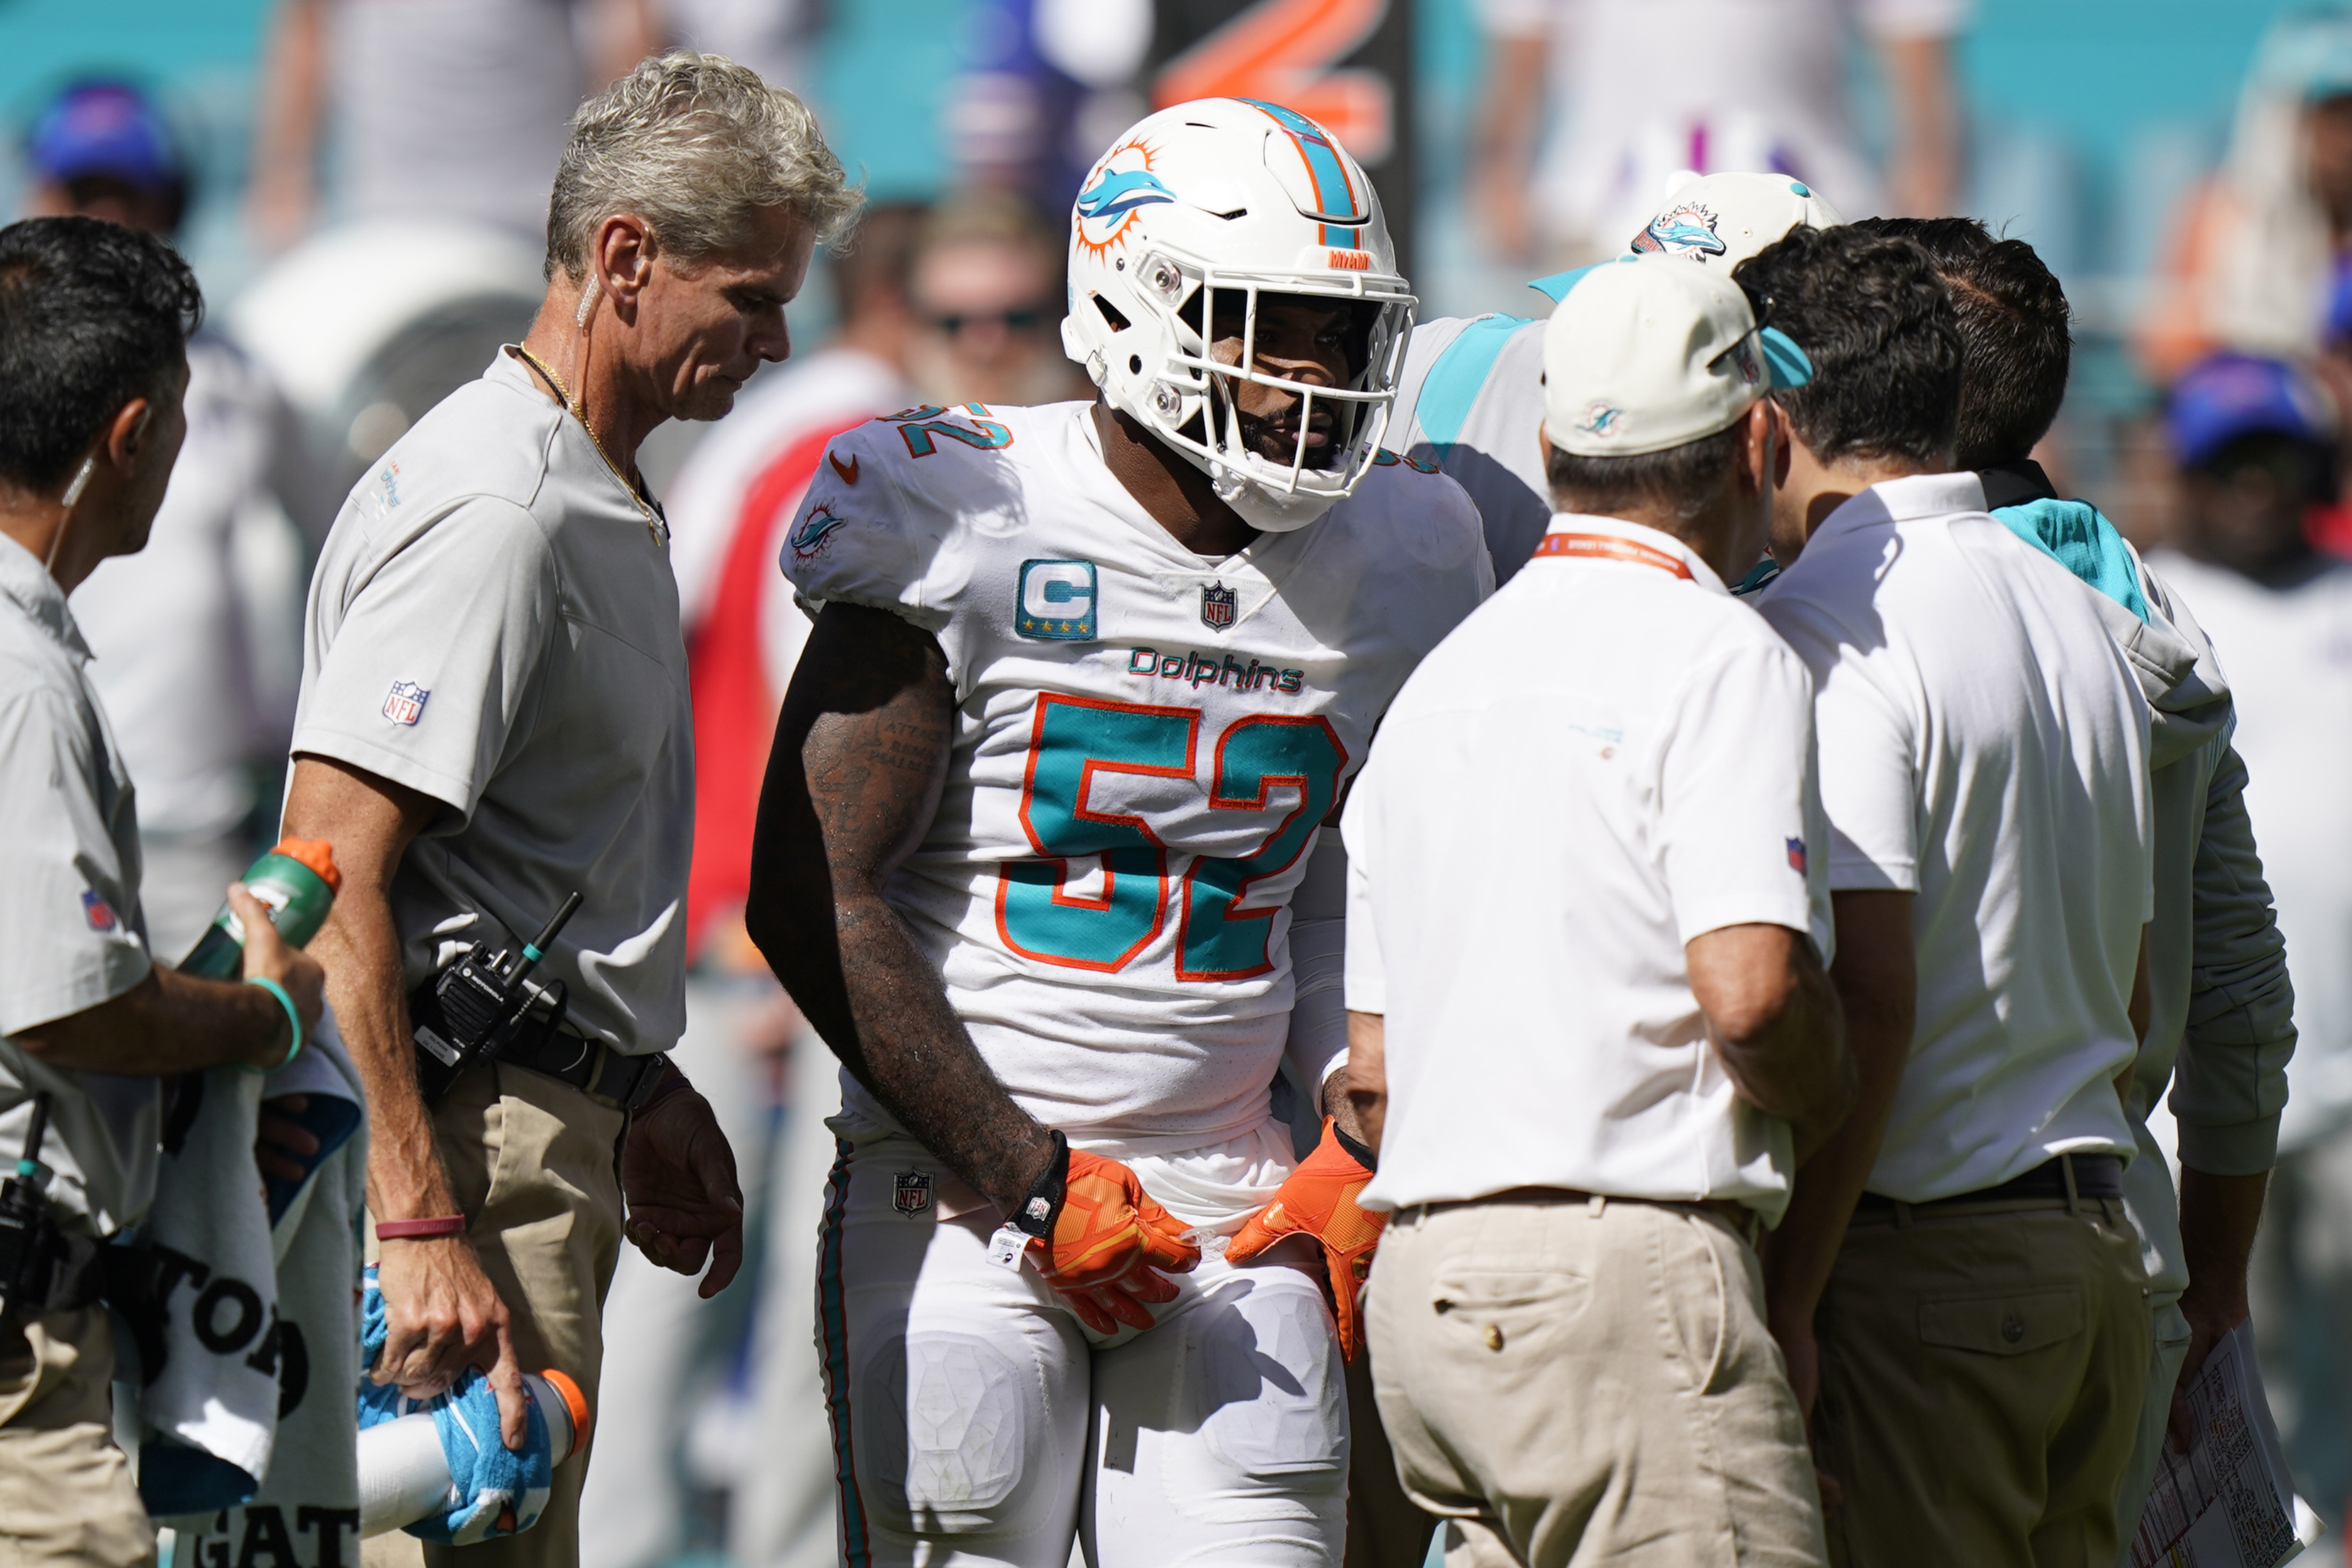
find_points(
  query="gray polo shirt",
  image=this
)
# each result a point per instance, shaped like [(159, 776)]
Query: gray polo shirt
[(71, 936), (494, 624)]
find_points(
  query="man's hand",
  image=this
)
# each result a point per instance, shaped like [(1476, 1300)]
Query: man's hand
[(1318, 1199), (2218, 1219), (443, 1315), (685, 1204), (268, 957), (282, 1146), (1111, 1246)]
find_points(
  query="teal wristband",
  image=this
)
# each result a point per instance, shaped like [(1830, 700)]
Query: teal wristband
[(293, 1020)]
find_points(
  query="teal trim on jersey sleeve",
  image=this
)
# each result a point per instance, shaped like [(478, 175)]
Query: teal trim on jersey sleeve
[(2076, 537), (1460, 373)]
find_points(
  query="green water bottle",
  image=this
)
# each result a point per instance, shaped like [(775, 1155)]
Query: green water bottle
[(296, 882)]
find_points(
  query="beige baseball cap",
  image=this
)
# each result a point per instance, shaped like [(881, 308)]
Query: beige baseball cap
[(1646, 353), (1721, 220)]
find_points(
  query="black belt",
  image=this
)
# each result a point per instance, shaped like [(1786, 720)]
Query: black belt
[(2095, 1176), (547, 1048)]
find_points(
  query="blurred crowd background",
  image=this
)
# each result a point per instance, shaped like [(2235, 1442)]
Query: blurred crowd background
[(362, 186)]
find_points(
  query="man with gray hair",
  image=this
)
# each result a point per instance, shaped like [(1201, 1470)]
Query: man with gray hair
[(494, 716)]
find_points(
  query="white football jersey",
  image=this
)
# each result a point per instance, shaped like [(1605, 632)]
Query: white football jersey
[(1146, 745)]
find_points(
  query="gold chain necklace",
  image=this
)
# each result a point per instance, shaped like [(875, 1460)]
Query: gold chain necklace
[(653, 524)]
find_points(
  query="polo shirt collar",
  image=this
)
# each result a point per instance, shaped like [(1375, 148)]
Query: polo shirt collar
[(27, 584), (1640, 534), (1907, 499)]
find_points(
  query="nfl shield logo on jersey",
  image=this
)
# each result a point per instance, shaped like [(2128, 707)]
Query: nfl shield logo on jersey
[(1797, 856), (911, 1192), (1219, 606), (405, 704)]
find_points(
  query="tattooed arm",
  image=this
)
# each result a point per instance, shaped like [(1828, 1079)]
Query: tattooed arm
[(860, 754)]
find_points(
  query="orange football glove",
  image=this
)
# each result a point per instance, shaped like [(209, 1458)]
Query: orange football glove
[(1109, 1239), (1318, 1199)]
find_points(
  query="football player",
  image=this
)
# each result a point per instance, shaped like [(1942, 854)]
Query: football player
[(1085, 681)]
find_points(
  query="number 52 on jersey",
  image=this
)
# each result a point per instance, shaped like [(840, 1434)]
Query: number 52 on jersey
[(1257, 762)]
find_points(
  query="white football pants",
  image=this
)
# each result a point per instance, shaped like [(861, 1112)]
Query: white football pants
[(976, 1421)]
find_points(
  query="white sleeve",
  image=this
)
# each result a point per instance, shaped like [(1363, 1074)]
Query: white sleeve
[(1735, 785), (870, 525), (1367, 981), (423, 667), (1864, 736), (1319, 941)]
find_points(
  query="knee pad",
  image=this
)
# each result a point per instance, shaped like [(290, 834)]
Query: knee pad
[(945, 1427), (1263, 1376)]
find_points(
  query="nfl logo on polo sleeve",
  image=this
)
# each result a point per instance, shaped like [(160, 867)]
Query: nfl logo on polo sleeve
[(405, 704), (1055, 602)]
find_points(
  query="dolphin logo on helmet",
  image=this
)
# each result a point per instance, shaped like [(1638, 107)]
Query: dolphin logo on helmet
[(1121, 191)]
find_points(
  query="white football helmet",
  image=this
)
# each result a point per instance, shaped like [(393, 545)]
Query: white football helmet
[(1212, 203)]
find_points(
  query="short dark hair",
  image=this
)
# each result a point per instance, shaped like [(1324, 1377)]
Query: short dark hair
[(1680, 478), (92, 314), (2013, 330), (1877, 321)]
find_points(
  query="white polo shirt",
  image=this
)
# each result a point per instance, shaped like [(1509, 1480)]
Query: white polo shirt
[(1607, 759), (1984, 746)]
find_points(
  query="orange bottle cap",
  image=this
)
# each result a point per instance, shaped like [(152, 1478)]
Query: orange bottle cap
[(316, 853), (577, 1402)]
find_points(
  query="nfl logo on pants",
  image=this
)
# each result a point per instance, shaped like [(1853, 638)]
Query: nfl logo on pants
[(911, 1192), (1218, 605)]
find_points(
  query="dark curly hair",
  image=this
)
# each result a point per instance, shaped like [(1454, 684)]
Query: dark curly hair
[(1878, 325), (2014, 327), (92, 314)]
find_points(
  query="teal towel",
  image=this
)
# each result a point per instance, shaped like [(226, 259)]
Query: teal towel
[(2076, 537)]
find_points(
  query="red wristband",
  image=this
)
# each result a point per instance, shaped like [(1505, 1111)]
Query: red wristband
[(408, 1229)]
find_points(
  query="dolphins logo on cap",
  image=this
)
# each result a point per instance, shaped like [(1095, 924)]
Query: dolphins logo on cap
[(1688, 230)]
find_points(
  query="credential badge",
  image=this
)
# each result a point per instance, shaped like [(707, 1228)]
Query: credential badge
[(911, 1192), (1219, 606), (405, 704)]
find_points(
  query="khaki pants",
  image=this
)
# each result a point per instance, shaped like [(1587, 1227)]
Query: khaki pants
[(1587, 1382), (1982, 1376), (535, 1165), (65, 1494)]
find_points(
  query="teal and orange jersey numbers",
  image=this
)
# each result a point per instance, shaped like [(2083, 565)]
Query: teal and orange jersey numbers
[(923, 425), (1075, 738), (1218, 941)]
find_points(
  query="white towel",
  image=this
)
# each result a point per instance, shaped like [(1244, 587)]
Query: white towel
[(249, 1356)]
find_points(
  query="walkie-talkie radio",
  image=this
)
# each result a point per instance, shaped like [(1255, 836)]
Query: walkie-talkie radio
[(30, 1250), (471, 1010)]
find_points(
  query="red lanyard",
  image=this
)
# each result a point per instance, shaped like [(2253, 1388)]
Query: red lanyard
[(1608, 547)]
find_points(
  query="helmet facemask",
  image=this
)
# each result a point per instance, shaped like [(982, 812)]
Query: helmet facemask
[(1196, 401)]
